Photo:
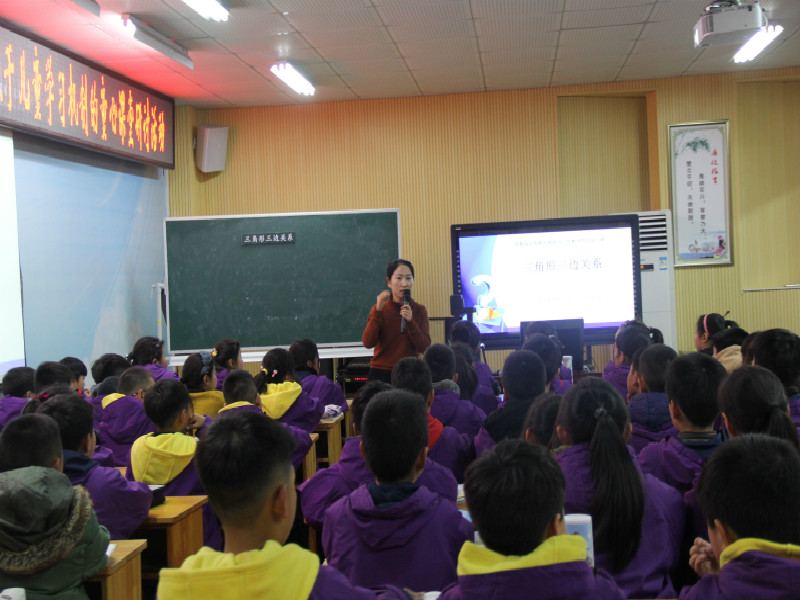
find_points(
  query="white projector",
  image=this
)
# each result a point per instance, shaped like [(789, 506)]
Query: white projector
[(728, 23)]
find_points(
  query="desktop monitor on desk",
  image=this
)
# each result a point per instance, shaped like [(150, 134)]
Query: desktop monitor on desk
[(570, 333)]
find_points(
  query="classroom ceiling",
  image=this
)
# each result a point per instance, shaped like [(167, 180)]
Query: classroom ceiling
[(351, 49)]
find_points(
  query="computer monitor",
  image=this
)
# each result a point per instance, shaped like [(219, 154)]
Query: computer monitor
[(570, 333)]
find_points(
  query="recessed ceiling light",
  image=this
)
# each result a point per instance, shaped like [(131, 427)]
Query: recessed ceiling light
[(287, 73)]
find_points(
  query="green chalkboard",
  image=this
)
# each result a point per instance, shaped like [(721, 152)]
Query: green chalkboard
[(318, 280)]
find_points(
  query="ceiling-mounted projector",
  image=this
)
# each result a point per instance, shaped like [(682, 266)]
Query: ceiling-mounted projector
[(728, 22)]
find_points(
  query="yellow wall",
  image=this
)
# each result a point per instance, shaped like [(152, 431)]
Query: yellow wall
[(494, 156)]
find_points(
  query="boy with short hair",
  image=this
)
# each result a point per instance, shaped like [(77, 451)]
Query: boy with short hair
[(122, 417), (17, 390), (50, 373), (50, 540), (120, 505), (463, 416), (515, 493), (649, 407), (749, 491), (79, 373), (244, 463), (395, 530)]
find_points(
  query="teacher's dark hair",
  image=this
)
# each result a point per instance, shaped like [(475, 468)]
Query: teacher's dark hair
[(397, 263)]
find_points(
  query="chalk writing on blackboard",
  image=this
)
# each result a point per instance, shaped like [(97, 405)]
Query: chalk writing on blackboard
[(267, 239)]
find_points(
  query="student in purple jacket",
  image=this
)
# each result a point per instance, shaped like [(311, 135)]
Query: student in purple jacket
[(464, 417), (549, 350), (351, 472), (50, 373), (750, 493), (446, 446), (470, 386), (515, 494), (227, 355), (79, 373), (631, 336), (121, 505), (637, 520), (468, 333), (148, 352), (122, 416), (306, 371), (17, 390), (105, 372), (779, 351), (649, 407), (395, 530)]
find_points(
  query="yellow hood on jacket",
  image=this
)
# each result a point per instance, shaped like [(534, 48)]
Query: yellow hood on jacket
[(234, 405), (207, 403), (478, 560), (110, 398), (743, 545), (274, 571), (158, 459), (279, 398)]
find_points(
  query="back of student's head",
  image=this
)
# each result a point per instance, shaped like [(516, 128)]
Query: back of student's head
[(239, 387), (747, 347), (692, 383), (540, 420), (227, 353), (165, 400), (29, 441), (303, 352), (441, 360), (466, 333), (712, 323), (467, 377), (134, 379), (629, 340), (18, 381), (45, 395), (50, 373), (109, 365), (751, 484), (241, 459), (413, 375), (197, 366), (548, 350), (276, 366), (728, 337), (76, 366), (75, 418), (523, 375), (753, 401), (542, 327), (653, 363), (779, 351), (362, 398), (146, 351), (594, 412), (655, 334), (394, 430), (513, 491)]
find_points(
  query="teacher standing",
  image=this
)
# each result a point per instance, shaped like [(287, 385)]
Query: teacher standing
[(385, 330)]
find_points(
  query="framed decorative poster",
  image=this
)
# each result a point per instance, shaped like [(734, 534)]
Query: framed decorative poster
[(700, 193)]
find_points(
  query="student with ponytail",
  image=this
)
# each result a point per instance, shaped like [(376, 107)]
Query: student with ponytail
[(631, 336), (637, 520), (779, 351), (148, 352), (709, 325), (227, 355), (200, 378), (306, 371)]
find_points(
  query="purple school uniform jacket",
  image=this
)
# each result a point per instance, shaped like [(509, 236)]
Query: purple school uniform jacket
[(617, 376), (463, 416), (221, 375), (485, 399), (121, 423), (794, 409), (672, 462), (647, 575), (161, 372), (121, 505), (483, 441), (351, 472), (650, 419), (484, 373), (454, 451), (413, 544), (332, 585), (10, 407), (97, 405), (324, 390)]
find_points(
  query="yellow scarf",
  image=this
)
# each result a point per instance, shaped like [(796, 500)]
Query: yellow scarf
[(742, 545)]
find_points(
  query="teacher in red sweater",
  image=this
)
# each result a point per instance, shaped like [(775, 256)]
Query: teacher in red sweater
[(385, 330)]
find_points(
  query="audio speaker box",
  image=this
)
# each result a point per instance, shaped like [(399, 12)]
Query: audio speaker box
[(212, 146)]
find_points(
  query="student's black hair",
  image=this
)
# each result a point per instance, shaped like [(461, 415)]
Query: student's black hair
[(712, 323), (549, 350), (747, 347), (441, 360), (165, 400), (304, 351), (542, 327), (42, 396), (635, 359), (655, 334), (239, 387), (629, 340), (107, 386), (692, 383), (239, 460), (523, 375), (197, 366), (513, 491), (75, 418), (467, 377), (361, 399), (779, 351), (50, 373), (29, 441), (753, 401), (413, 375), (594, 412), (394, 430), (146, 350), (397, 263), (109, 365), (76, 366), (752, 485), (134, 379), (653, 363), (728, 337), (276, 366), (227, 350), (541, 420), (466, 333), (18, 381)]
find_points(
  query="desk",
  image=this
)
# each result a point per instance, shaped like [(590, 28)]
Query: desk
[(121, 578), (181, 520), (310, 461), (332, 428)]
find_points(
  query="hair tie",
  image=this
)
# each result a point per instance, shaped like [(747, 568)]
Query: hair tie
[(275, 372), (705, 323), (599, 413), (214, 353), (263, 370), (205, 368)]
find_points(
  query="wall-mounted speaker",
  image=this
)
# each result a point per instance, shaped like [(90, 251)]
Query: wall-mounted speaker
[(212, 147)]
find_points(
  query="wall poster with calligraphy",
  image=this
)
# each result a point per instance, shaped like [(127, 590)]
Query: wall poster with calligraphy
[(700, 193)]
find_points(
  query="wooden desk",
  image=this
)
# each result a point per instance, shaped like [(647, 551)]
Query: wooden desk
[(181, 520), (310, 461), (332, 428), (121, 578)]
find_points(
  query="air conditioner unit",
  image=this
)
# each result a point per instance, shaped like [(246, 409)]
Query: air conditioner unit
[(728, 22)]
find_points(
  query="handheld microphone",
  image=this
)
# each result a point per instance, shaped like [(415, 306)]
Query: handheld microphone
[(406, 300)]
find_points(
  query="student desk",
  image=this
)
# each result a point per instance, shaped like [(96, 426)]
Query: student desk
[(121, 578), (180, 521), (332, 428), (310, 461)]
